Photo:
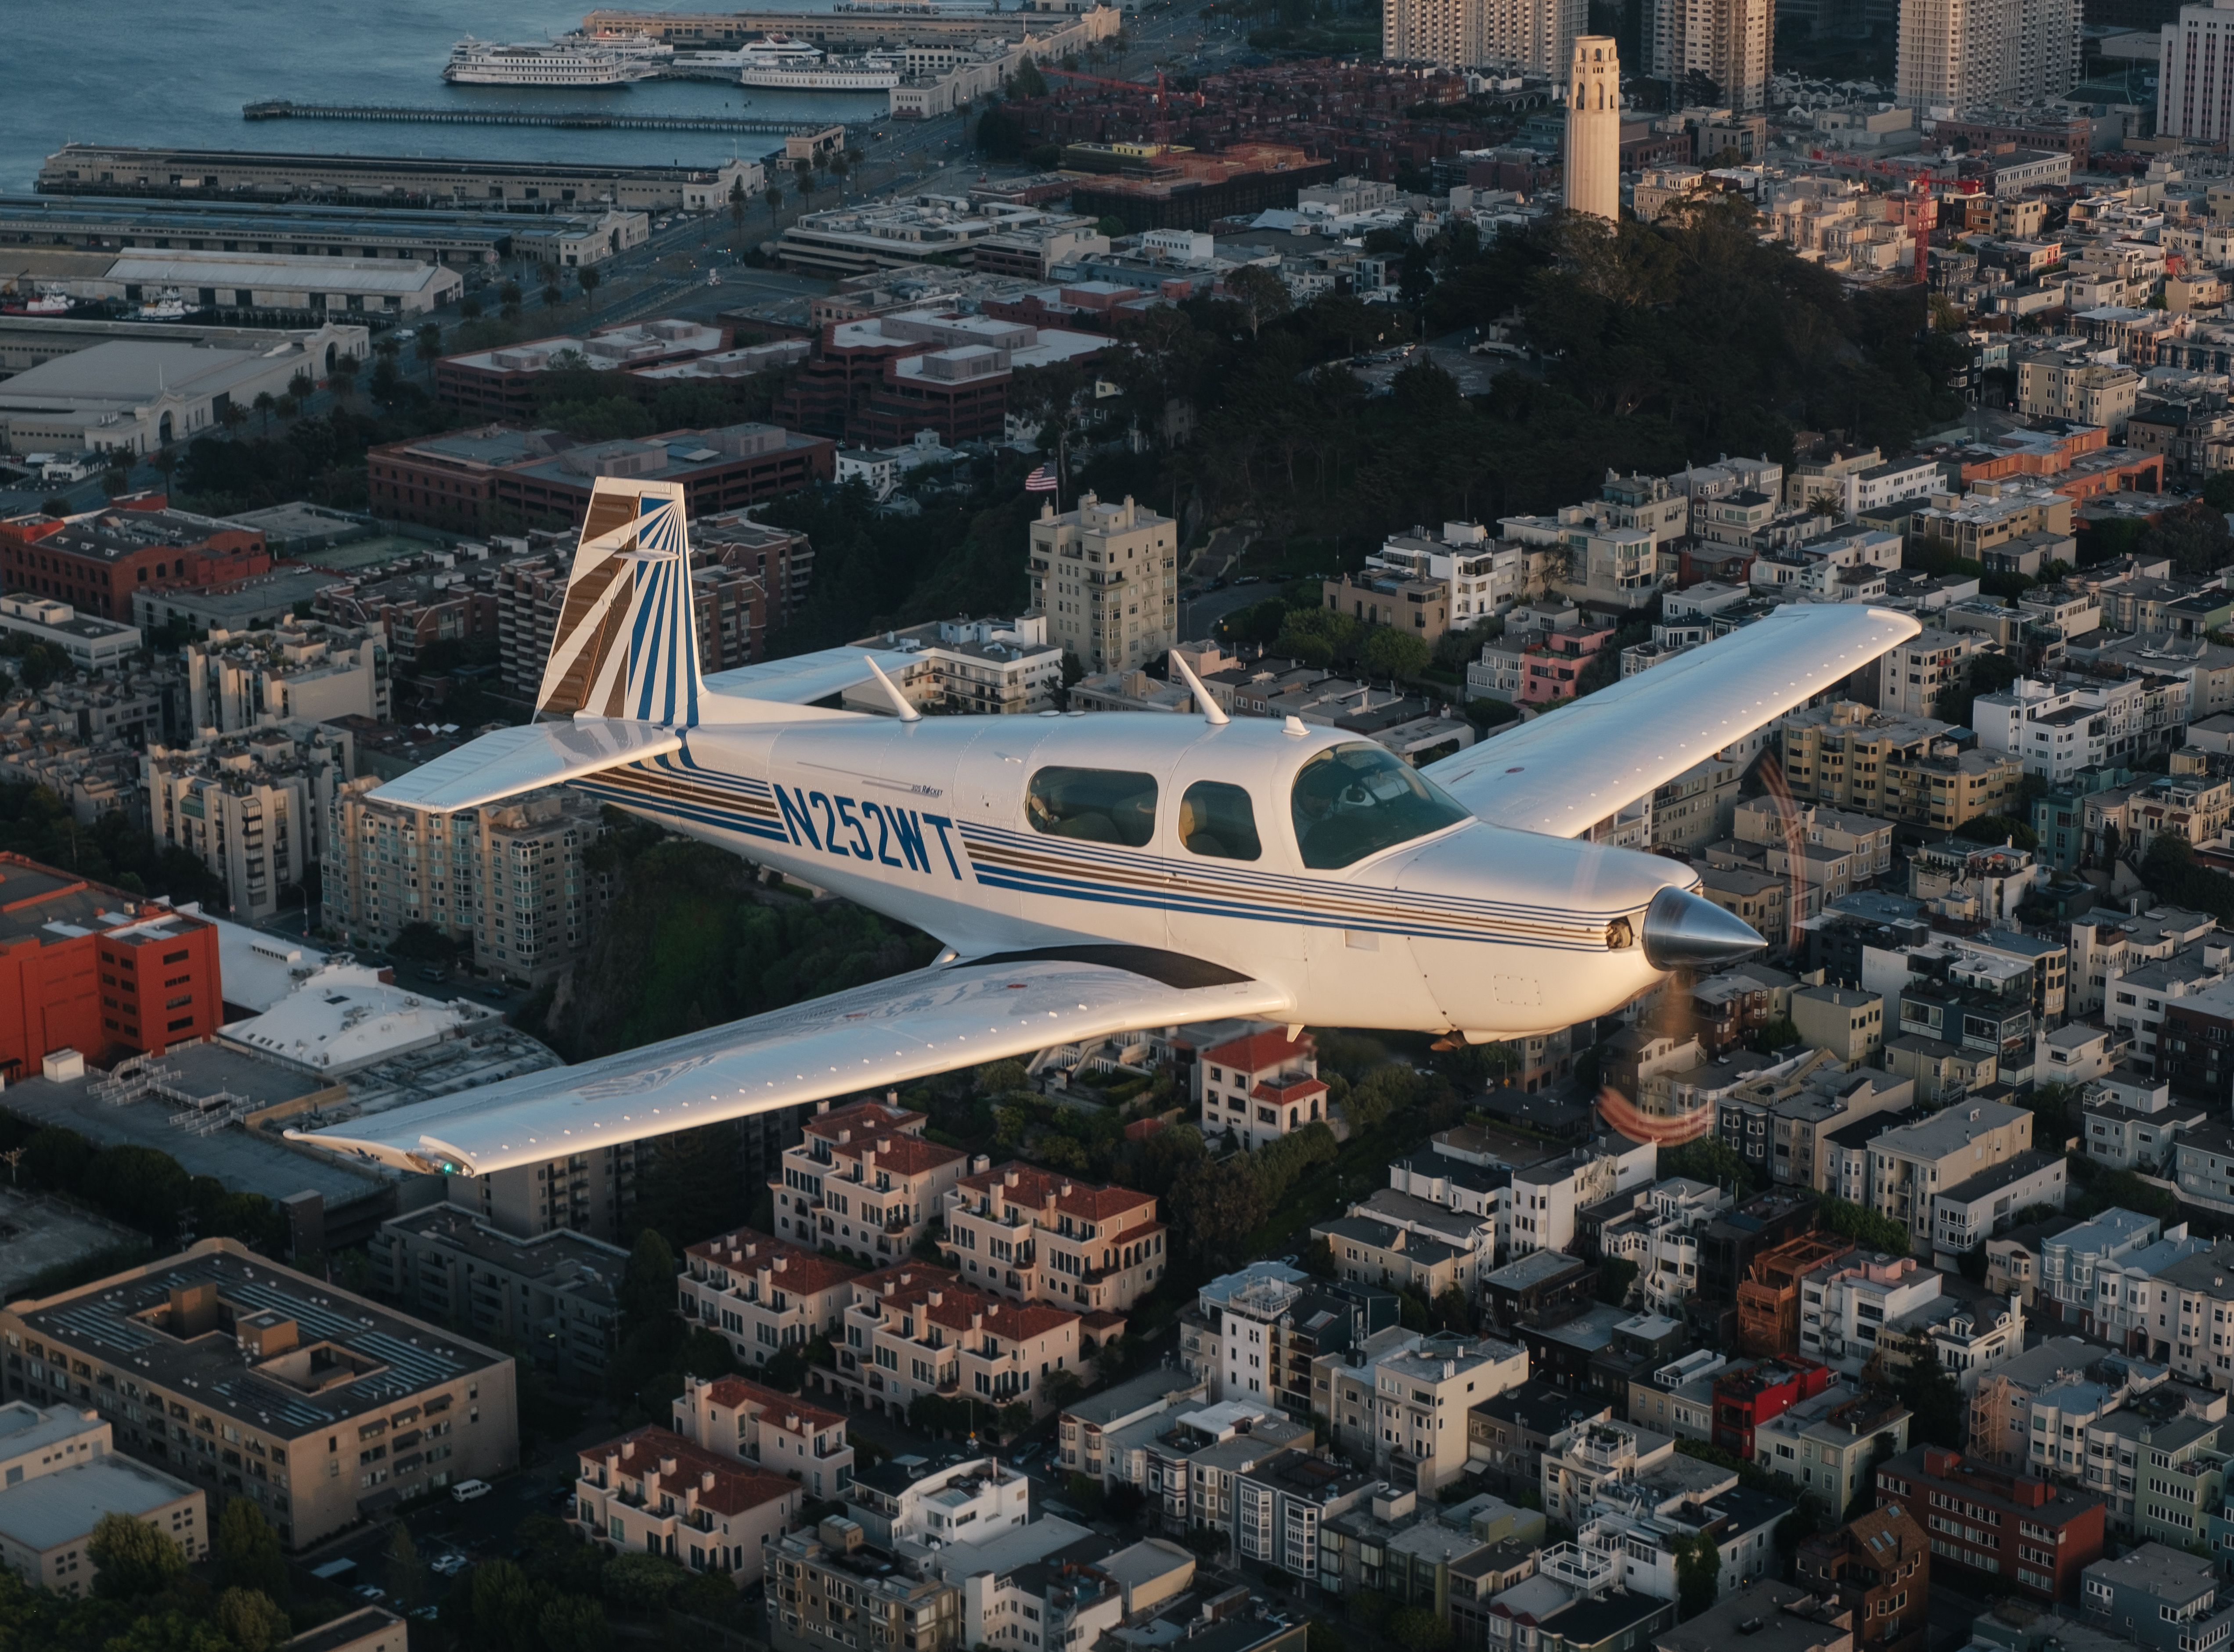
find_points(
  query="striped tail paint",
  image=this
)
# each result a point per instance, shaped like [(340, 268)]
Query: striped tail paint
[(626, 641)]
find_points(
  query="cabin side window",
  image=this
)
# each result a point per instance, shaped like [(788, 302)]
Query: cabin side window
[(1097, 804), (1354, 801), (1218, 820)]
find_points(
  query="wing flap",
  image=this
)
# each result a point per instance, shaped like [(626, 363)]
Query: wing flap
[(1572, 767), (891, 1032), (507, 761)]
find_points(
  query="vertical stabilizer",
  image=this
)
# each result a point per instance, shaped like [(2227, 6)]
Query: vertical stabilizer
[(626, 643)]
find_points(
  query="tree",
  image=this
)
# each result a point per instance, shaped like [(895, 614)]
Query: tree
[(406, 1573), (251, 1620), (264, 402), (248, 1550), (1262, 295), (343, 375), (737, 198), (508, 297), (1451, 1312), (1698, 1575), (588, 278), (1864, 1226), (300, 387), (1395, 654), (648, 1281), (1942, 1416), (428, 347), (1707, 1159), (2195, 536), (134, 1558), (1215, 1206), (501, 1604), (573, 1624)]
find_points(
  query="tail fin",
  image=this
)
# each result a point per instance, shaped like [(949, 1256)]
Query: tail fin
[(626, 643)]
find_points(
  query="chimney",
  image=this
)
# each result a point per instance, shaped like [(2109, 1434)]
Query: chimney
[(980, 1165), (884, 1144), (977, 1321), (935, 1299)]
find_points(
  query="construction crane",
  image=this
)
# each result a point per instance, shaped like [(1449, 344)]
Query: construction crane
[(1163, 93)]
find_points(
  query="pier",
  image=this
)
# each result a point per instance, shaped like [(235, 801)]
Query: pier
[(572, 119)]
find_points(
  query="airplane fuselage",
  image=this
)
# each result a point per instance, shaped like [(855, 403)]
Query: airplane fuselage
[(1251, 845)]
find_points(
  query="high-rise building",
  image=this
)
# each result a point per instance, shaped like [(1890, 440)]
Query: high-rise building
[(2195, 99), (1961, 54), (1531, 36), (249, 808), (1106, 576), (1591, 169), (1726, 42)]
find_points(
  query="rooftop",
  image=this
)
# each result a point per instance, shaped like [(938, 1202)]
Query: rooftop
[(46, 1511)]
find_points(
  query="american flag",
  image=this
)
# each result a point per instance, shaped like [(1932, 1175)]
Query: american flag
[(1041, 480)]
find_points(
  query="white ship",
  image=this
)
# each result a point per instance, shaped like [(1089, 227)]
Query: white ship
[(794, 65), (479, 62)]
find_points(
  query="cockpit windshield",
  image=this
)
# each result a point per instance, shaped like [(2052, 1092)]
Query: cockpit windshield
[(1351, 801)]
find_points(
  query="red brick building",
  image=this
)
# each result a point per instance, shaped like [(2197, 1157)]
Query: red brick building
[(98, 563), (96, 969), (1994, 1528), (1745, 1399), (1879, 1568), (472, 480)]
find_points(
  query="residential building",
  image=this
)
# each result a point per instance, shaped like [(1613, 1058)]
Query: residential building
[(237, 681), (1878, 1568), (1508, 1434), (182, 1354), (1088, 1424), (823, 1585), (1261, 1087), (250, 808), (914, 1332), (554, 1296), (652, 1492), (1106, 576), (863, 1181), (1471, 34), (89, 644), (1908, 1166), (1371, 1252), (1404, 1409), (1967, 1214), (1828, 1446), (2057, 727), (763, 1296), (2194, 104), (1579, 1460), (512, 880), (2128, 1126), (1270, 1330), (1279, 1507), (2159, 1597), (2070, 1260), (63, 1474), (968, 1502), (1727, 42), (1785, 1617), (99, 562), (1039, 1236), (2055, 386), (983, 666), (2107, 942), (772, 1430), (1993, 1528)]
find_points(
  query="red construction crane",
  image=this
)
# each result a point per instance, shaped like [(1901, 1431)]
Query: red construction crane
[(1163, 94)]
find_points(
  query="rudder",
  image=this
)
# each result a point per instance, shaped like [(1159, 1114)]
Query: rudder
[(626, 641)]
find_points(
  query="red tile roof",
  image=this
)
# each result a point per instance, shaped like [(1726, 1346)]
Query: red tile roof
[(1259, 1051), (772, 1405), (1301, 1090), (864, 1118), (1035, 1186), (749, 1250), (734, 1489), (1011, 1321), (901, 1155), (909, 1282)]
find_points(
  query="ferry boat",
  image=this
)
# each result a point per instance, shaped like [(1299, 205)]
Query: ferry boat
[(795, 66), (570, 63)]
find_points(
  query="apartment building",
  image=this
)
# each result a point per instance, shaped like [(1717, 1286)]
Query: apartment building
[(1371, 1252), (2070, 1260), (1993, 1528), (1579, 1460), (966, 1502), (2058, 726), (184, 1355), (1846, 1303), (1910, 1165), (772, 1430), (652, 1492), (2159, 1597), (1039, 1236), (1827, 1447), (62, 1475), (1261, 1087), (2107, 942), (1279, 1506), (1088, 1426), (2056, 386), (1837, 753), (763, 1296), (240, 681), (1878, 1568), (1401, 1402), (249, 808), (554, 1295), (1547, 1196), (510, 880), (864, 1182), (915, 1331), (824, 1584), (2130, 1310), (1106, 576)]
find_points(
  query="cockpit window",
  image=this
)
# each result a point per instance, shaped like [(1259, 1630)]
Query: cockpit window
[(1354, 801), (1099, 804), (1218, 819)]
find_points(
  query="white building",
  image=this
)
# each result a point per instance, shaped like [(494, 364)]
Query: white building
[(2197, 81), (90, 642), (2057, 728), (1529, 37), (237, 681), (969, 1502), (251, 808), (1546, 1195), (63, 1473), (881, 470), (1958, 55), (1578, 1461)]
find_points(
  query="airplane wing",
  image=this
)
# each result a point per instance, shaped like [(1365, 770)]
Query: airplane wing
[(1569, 768), (930, 1021), (804, 679), (507, 761)]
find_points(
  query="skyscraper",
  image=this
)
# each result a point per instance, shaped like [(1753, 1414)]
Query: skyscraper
[(1963, 55), (1535, 36), (1591, 168), (2195, 97), (1726, 41)]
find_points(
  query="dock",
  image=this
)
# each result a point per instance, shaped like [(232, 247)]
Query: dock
[(280, 108)]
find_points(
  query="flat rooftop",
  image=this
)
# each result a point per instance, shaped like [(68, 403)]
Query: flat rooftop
[(55, 1509)]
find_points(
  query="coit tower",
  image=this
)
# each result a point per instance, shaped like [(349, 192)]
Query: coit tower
[(1592, 172)]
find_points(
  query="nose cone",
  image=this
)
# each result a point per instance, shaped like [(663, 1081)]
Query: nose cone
[(1683, 930)]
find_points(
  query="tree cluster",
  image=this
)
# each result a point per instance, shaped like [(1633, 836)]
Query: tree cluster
[(142, 1188), (38, 823)]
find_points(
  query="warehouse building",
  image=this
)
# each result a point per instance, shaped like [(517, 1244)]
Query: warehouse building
[(270, 281), (392, 180)]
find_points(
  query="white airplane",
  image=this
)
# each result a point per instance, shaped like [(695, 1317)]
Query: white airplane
[(1093, 875)]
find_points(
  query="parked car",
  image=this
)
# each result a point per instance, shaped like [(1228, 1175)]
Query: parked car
[(466, 1491), (367, 1592)]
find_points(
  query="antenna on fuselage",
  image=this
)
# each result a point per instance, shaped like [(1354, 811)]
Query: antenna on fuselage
[(907, 712), (1211, 712)]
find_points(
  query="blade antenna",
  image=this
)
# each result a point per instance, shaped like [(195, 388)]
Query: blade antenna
[(1211, 712)]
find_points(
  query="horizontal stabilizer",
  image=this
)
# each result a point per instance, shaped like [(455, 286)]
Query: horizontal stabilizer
[(509, 761), (1570, 768), (890, 1032), (806, 679)]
